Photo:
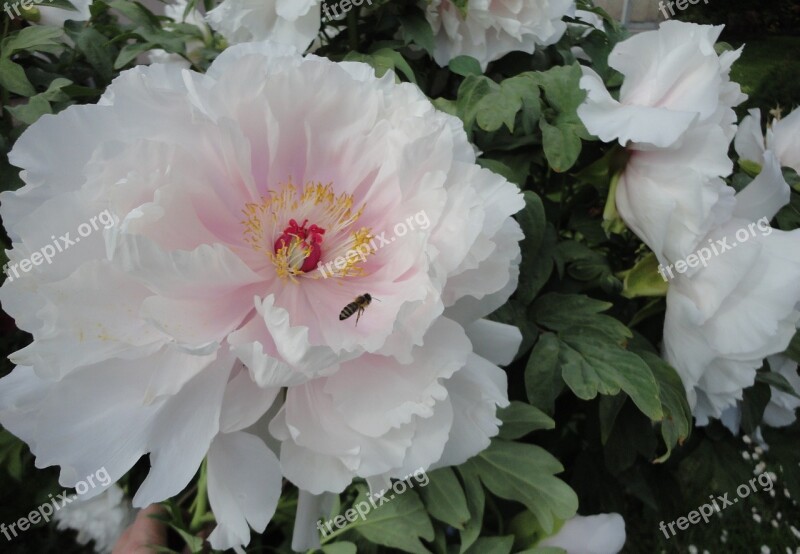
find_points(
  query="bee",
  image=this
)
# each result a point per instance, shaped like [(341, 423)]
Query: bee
[(358, 305)]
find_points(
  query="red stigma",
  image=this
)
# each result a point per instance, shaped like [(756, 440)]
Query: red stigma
[(298, 235)]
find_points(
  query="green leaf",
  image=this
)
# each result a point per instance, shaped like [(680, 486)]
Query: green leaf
[(383, 60), (39, 104), (193, 543), (677, 423), (585, 264), (31, 38), (777, 381), (502, 103), (470, 93), (97, 50), (517, 172), (543, 381), (644, 279), (519, 419), (136, 12), (130, 52), (492, 545), (498, 108), (561, 312), (561, 86), (591, 353), (533, 222), (464, 66), (13, 78), (340, 548), (537, 266), (448, 107), (386, 57), (415, 28), (563, 130), (28, 113), (476, 498), (399, 523), (444, 498), (526, 473), (561, 145), (591, 365), (525, 87), (608, 409)]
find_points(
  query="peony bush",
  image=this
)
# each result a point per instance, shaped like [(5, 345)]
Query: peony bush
[(545, 265)]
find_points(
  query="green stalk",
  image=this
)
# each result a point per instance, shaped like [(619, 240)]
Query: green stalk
[(200, 504)]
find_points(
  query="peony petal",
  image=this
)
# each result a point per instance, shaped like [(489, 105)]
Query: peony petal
[(598, 534), (766, 195), (244, 486)]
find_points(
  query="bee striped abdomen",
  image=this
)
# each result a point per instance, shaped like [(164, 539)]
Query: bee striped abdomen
[(357, 305), (348, 310)]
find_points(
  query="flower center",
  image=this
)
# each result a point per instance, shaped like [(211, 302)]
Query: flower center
[(328, 231), (301, 247)]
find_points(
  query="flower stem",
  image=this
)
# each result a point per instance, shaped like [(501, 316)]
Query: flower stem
[(200, 504)]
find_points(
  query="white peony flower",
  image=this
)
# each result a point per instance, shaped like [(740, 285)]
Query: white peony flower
[(672, 198), (598, 534), (782, 408), (101, 519), (724, 319), (675, 115), (783, 139), (291, 22), (174, 332), (674, 81), (490, 29)]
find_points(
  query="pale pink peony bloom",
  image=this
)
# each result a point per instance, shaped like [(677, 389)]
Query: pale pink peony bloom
[(783, 139), (490, 29), (198, 321)]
